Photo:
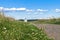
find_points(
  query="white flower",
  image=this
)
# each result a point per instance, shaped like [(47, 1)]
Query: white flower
[(4, 28), (32, 32)]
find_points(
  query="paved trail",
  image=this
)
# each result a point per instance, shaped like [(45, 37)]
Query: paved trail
[(52, 30)]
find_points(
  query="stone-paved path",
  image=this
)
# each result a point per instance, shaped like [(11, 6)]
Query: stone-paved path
[(51, 30)]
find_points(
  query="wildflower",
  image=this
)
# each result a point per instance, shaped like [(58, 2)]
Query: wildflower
[(4, 28), (32, 32), (36, 33), (5, 31)]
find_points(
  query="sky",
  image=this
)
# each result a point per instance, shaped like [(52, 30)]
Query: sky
[(31, 9)]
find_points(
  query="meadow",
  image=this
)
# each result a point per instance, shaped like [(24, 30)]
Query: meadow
[(10, 29), (47, 21)]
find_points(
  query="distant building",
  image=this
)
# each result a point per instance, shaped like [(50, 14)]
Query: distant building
[(25, 20)]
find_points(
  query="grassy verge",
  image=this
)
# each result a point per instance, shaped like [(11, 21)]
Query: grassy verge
[(15, 30)]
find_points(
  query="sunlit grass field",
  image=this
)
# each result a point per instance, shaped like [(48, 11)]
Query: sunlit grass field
[(16, 30), (47, 21)]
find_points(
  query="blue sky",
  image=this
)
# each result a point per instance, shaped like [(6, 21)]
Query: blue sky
[(31, 9)]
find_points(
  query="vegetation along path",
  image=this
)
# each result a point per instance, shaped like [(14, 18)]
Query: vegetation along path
[(52, 30)]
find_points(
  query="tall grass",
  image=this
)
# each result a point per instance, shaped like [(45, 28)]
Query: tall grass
[(15, 30)]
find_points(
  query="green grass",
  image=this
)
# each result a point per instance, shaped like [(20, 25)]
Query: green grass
[(48, 21), (15, 30)]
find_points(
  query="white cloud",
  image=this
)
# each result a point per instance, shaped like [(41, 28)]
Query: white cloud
[(41, 10), (57, 10), (27, 10), (36, 11), (9, 9), (6, 9), (12, 8), (1, 8), (21, 9), (15, 9)]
